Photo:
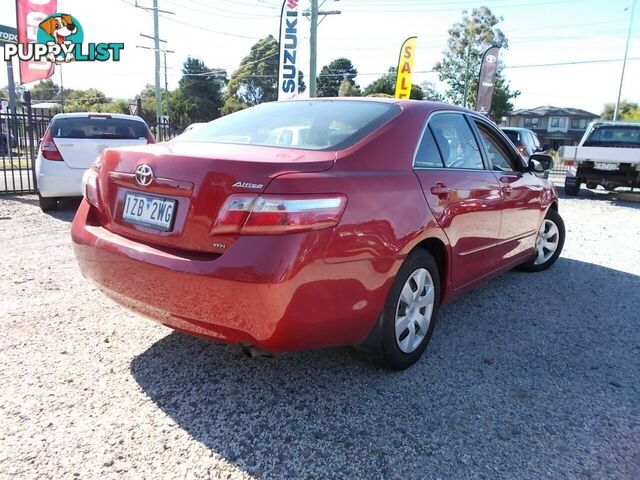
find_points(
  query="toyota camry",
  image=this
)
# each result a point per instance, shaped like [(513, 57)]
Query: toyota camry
[(316, 223)]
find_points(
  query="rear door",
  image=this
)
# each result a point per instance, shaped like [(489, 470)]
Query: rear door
[(80, 139), (521, 192), (462, 193)]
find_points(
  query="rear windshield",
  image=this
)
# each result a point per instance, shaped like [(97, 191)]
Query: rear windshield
[(513, 136), (308, 125), (614, 136), (98, 127)]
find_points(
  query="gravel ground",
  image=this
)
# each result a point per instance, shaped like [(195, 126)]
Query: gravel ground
[(530, 376)]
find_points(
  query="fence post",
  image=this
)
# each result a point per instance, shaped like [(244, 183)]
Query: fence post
[(32, 153)]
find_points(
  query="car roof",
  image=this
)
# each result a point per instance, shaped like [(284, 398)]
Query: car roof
[(97, 114), (425, 105), (515, 129), (616, 124)]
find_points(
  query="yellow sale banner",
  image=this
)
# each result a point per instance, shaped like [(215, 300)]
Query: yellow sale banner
[(405, 68)]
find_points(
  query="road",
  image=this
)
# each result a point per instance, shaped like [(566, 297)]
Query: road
[(529, 376)]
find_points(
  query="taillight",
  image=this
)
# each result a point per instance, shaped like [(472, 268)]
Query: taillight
[(150, 137), (276, 214), (90, 185), (570, 163), (48, 147), (521, 148)]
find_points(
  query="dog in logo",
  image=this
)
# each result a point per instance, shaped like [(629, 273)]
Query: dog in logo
[(60, 27)]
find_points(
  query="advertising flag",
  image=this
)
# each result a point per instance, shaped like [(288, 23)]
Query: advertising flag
[(487, 81), (405, 68), (29, 15), (292, 54)]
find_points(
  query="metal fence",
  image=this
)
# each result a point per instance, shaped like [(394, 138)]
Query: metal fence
[(20, 133)]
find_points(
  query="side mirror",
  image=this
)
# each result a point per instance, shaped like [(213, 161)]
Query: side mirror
[(540, 163)]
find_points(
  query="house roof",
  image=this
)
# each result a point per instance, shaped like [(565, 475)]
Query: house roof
[(548, 110)]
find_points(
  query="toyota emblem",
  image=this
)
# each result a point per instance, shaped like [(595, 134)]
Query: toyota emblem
[(144, 175)]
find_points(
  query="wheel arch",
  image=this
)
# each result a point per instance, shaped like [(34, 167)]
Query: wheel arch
[(437, 248)]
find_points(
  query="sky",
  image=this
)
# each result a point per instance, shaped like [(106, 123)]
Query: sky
[(370, 33)]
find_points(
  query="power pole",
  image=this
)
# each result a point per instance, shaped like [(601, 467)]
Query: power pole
[(156, 45), (313, 50), (156, 41), (624, 62), (166, 84), (166, 75), (313, 44)]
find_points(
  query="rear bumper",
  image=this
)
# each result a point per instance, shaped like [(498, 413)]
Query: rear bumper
[(274, 292), (56, 179)]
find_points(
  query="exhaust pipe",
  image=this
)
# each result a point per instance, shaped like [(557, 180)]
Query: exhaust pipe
[(252, 351)]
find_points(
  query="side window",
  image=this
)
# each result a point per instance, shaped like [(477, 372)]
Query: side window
[(499, 156), (428, 155), (455, 141)]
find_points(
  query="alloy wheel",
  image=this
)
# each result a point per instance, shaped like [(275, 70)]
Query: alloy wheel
[(547, 241)]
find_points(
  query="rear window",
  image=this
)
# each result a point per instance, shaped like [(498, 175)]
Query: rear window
[(308, 125), (513, 136), (98, 127), (614, 136)]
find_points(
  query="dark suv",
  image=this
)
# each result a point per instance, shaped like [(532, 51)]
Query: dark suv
[(524, 139)]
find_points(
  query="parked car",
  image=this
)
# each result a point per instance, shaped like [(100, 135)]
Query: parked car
[(608, 155), (71, 144), (525, 140), (355, 234)]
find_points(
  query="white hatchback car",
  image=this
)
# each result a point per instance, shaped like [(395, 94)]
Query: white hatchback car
[(72, 143)]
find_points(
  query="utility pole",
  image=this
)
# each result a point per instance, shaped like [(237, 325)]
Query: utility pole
[(624, 62), (313, 44), (313, 50), (166, 75), (156, 41), (156, 45), (166, 84)]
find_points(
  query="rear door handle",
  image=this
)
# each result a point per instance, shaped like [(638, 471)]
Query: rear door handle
[(440, 190)]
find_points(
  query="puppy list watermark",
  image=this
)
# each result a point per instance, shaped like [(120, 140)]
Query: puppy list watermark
[(60, 39)]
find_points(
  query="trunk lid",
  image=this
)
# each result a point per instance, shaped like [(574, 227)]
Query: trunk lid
[(199, 177)]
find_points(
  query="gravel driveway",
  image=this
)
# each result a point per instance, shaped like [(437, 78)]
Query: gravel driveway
[(530, 376)]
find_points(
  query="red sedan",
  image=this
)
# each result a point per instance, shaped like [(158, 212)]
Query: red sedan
[(316, 223)]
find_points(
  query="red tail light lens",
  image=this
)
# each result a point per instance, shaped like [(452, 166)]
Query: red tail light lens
[(277, 214), (48, 147)]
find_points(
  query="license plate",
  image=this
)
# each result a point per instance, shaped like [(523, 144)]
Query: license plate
[(606, 166), (149, 211)]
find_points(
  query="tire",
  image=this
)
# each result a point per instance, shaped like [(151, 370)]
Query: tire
[(47, 203), (399, 352), (571, 189), (542, 261)]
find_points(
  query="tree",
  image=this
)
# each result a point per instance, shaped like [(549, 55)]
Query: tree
[(256, 80), (45, 90), (430, 92), (348, 89), (387, 84), (468, 40), (199, 97), (628, 111), (332, 75)]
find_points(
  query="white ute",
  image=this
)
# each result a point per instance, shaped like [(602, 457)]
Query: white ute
[(608, 155), (72, 143)]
